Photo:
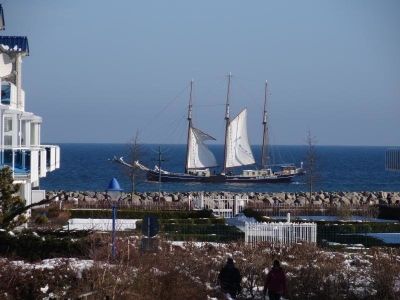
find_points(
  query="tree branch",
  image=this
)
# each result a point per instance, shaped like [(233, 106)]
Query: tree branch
[(23, 209)]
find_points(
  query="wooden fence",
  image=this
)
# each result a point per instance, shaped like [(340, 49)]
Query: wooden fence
[(280, 233)]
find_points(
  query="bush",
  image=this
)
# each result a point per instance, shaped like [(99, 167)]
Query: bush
[(134, 214), (32, 247), (190, 271), (251, 213), (41, 220)]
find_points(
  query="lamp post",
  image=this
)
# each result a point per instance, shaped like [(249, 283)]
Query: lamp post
[(114, 191)]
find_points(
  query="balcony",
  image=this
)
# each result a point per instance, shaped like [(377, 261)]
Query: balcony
[(30, 162), (52, 157)]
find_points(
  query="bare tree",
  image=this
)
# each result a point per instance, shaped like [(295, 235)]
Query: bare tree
[(134, 152), (130, 167), (311, 163)]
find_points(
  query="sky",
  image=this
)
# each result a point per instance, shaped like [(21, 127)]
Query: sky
[(100, 71)]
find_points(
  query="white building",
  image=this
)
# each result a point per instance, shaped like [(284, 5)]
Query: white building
[(20, 140)]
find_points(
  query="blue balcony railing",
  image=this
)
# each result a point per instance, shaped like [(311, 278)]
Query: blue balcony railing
[(32, 162), (18, 159)]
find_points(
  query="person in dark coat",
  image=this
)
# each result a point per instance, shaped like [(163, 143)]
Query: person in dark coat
[(275, 282), (229, 279)]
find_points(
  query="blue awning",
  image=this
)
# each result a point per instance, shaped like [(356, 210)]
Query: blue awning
[(14, 44)]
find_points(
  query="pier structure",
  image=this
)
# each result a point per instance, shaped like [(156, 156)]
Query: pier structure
[(20, 131)]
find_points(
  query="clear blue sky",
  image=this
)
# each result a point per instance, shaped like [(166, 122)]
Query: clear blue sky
[(100, 70)]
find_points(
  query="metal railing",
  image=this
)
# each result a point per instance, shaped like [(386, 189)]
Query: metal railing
[(392, 160)]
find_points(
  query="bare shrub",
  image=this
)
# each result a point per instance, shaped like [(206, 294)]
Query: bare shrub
[(385, 272), (22, 282), (190, 271)]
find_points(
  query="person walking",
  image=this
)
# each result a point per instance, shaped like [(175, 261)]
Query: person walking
[(229, 279), (275, 282)]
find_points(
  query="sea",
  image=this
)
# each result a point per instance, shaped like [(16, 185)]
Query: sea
[(90, 167)]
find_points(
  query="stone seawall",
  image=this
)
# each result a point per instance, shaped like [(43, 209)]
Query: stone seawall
[(299, 198)]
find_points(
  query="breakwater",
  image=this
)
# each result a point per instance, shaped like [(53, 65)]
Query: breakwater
[(284, 198)]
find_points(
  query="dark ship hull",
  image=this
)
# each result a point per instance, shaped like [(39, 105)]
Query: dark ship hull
[(182, 177)]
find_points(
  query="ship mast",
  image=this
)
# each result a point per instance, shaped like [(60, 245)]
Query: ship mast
[(264, 149), (227, 120), (189, 118)]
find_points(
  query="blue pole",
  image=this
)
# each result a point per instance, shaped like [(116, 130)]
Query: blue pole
[(114, 216)]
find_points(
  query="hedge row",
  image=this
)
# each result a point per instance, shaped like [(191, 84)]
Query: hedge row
[(193, 221), (32, 247), (199, 229), (134, 214), (205, 238), (195, 229), (251, 213), (346, 228), (367, 241), (355, 233)]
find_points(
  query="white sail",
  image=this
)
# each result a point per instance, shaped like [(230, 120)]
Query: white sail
[(238, 151), (199, 156)]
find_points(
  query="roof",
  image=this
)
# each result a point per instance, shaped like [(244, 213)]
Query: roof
[(2, 24), (15, 44)]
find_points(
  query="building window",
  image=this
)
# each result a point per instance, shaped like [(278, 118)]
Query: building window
[(7, 124), (5, 93), (7, 140)]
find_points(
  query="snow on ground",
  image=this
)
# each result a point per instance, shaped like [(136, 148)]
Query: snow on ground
[(197, 244), (78, 265)]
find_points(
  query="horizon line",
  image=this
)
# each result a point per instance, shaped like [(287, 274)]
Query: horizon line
[(183, 144)]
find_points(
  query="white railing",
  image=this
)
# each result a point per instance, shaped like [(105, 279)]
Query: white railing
[(222, 207), (52, 157), (280, 233)]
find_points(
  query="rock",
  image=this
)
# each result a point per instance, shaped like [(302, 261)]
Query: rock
[(344, 200), (335, 200), (136, 201), (317, 202), (355, 200), (167, 198), (136, 198), (383, 201), (383, 195), (326, 201), (269, 200), (300, 200), (100, 196)]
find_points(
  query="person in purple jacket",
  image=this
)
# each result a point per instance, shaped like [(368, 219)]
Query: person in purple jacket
[(275, 282)]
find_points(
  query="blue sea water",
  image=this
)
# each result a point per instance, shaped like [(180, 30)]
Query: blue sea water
[(87, 167)]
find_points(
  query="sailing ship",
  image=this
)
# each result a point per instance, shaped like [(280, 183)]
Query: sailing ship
[(238, 150), (286, 171), (199, 158)]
